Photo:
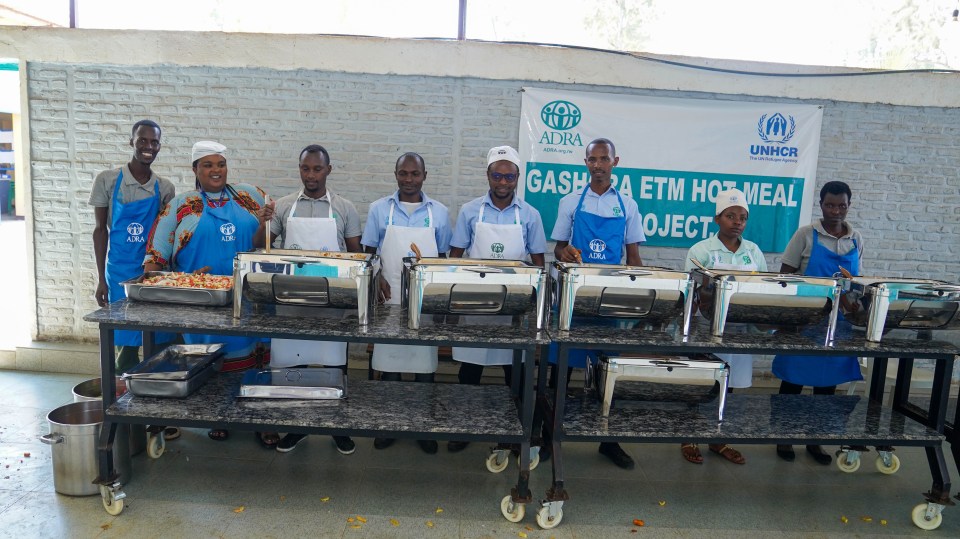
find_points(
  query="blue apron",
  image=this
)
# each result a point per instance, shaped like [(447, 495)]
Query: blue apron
[(220, 234), (821, 371), (126, 250), (601, 240)]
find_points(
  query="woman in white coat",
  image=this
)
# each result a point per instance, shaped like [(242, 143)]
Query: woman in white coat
[(497, 225)]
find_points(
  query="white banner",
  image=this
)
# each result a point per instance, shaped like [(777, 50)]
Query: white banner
[(675, 156)]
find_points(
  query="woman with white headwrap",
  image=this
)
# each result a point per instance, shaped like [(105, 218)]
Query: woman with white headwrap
[(207, 227)]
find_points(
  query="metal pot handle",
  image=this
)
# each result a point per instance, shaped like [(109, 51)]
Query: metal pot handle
[(52, 438), (634, 272), (941, 287), (783, 279), (482, 269)]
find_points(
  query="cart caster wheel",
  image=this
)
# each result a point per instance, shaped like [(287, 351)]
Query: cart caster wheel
[(927, 516), (156, 445), (890, 468), (112, 503), (545, 521), (497, 461), (534, 458), (511, 510), (848, 463)]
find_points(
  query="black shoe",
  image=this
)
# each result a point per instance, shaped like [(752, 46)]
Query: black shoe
[(288, 442), (819, 455), (786, 453), (429, 446), (546, 451), (614, 452), (344, 445), (456, 447), (382, 443)]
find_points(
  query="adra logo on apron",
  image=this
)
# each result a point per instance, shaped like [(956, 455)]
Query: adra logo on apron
[(228, 230), (597, 247), (135, 231), (497, 250)]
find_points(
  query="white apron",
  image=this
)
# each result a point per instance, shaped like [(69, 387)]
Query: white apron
[(741, 365), (485, 236), (320, 234), (394, 247)]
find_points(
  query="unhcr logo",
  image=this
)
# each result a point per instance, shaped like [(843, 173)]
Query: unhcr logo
[(560, 115), (776, 130)]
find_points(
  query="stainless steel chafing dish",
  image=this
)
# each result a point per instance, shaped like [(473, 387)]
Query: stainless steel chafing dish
[(707, 377), (177, 371), (469, 286), (307, 384), (888, 303), (766, 298), (654, 294), (306, 279)]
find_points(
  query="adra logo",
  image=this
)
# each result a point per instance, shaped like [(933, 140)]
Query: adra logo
[(561, 116)]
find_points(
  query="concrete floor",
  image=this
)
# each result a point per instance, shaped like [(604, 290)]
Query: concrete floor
[(202, 488)]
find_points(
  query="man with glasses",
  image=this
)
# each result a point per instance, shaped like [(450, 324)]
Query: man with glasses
[(597, 226), (499, 226)]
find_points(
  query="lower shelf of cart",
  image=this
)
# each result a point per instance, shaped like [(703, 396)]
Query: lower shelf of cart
[(394, 409)]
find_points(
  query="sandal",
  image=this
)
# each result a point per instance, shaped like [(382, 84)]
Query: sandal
[(691, 452), (728, 453), (171, 433), (268, 440), (218, 435)]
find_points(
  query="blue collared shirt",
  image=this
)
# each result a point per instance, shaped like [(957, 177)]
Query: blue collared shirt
[(534, 239), (605, 205), (379, 213)]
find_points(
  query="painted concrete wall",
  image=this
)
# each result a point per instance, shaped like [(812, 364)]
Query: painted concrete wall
[(893, 138)]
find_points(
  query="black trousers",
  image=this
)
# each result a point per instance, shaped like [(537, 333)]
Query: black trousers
[(417, 377), (471, 373)]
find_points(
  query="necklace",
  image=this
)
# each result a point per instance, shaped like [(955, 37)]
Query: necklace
[(219, 201)]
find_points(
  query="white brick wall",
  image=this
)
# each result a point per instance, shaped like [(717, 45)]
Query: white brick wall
[(901, 161)]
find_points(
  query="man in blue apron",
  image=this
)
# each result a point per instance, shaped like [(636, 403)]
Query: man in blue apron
[(598, 226), (820, 249), (498, 225), (316, 219), (394, 223), (126, 202)]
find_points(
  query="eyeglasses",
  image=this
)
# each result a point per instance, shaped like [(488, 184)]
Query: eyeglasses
[(497, 177)]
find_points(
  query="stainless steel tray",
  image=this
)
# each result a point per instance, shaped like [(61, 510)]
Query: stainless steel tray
[(176, 363), (309, 384), (138, 291), (146, 387)]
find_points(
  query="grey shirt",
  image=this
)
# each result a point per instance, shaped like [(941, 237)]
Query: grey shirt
[(344, 214), (797, 253), (101, 195)]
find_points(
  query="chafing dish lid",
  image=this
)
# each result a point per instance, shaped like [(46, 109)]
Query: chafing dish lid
[(470, 262), (305, 256), (619, 269), (177, 362)]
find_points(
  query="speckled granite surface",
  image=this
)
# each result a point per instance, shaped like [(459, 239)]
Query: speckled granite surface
[(587, 334), (388, 325), (387, 408), (747, 418)]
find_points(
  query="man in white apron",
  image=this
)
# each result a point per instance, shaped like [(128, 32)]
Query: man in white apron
[(313, 219), (406, 217), (727, 250), (497, 225), (125, 203)]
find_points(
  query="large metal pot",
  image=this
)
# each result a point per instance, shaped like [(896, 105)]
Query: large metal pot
[(74, 429), (136, 434)]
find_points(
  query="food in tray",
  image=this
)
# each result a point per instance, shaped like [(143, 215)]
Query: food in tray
[(189, 280)]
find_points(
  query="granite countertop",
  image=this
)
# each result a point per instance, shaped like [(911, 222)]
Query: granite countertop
[(747, 419), (401, 409), (628, 334), (388, 325)]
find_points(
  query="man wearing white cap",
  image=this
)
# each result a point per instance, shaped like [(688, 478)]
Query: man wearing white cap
[(727, 249), (497, 225), (596, 226)]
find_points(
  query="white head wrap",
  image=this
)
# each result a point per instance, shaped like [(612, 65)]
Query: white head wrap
[(207, 147), (733, 197)]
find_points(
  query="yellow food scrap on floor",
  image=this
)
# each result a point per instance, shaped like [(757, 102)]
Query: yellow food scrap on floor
[(866, 519), (356, 526), (521, 534), (844, 519), (351, 519), (662, 503), (638, 522), (240, 509), (325, 499), (283, 498), (439, 510), (361, 519), (883, 522), (394, 522), (429, 523), (105, 527)]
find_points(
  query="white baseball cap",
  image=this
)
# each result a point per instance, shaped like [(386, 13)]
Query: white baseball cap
[(733, 197), (207, 147), (503, 153)]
